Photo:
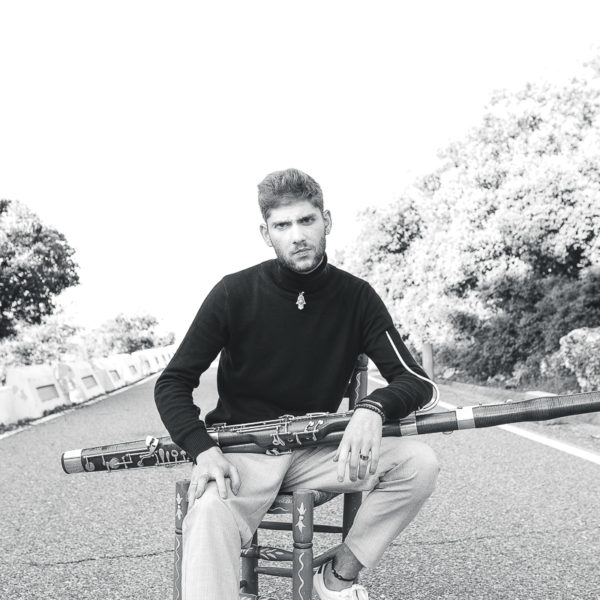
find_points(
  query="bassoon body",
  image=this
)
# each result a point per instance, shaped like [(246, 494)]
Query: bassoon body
[(288, 432)]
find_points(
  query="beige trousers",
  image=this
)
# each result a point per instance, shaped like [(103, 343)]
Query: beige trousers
[(215, 530)]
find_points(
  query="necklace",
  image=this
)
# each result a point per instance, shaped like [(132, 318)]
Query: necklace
[(301, 302)]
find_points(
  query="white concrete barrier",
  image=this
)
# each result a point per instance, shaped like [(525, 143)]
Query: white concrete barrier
[(12, 407), (144, 358), (81, 376), (40, 387), (129, 368), (65, 376), (156, 360), (167, 352), (32, 390), (108, 372)]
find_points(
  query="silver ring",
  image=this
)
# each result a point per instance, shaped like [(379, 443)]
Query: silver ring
[(362, 457)]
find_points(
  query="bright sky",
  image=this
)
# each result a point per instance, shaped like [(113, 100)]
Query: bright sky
[(140, 129)]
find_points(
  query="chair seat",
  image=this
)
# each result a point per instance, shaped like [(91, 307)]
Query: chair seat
[(282, 505)]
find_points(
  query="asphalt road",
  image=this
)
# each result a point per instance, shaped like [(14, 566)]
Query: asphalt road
[(510, 519)]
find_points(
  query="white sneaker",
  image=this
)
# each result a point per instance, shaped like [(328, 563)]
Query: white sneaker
[(356, 592)]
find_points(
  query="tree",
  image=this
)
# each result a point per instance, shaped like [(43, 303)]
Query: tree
[(36, 265), (508, 229), (127, 334), (378, 254)]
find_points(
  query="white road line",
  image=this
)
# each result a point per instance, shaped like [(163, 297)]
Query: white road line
[(530, 435), (542, 439)]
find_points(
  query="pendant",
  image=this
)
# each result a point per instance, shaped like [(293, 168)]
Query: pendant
[(301, 302)]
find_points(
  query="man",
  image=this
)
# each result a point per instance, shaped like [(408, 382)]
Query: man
[(289, 331)]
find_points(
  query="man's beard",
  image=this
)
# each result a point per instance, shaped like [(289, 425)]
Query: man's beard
[(288, 261)]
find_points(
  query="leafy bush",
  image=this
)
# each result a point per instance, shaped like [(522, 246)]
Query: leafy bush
[(126, 334), (39, 344), (580, 352), (529, 318)]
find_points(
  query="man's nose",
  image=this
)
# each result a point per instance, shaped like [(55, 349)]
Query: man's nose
[(298, 235)]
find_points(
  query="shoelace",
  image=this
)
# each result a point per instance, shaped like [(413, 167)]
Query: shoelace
[(356, 592)]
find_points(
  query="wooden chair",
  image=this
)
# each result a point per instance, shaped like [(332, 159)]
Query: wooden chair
[(300, 505)]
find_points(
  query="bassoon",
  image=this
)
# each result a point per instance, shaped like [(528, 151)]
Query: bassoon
[(282, 435)]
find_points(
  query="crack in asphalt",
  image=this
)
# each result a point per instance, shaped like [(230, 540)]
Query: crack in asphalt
[(477, 538), (33, 563)]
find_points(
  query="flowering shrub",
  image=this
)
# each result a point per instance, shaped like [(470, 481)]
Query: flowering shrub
[(580, 353)]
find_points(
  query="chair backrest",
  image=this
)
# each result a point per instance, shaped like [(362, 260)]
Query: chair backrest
[(357, 386)]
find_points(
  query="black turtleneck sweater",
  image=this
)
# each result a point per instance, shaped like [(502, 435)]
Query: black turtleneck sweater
[(277, 359)]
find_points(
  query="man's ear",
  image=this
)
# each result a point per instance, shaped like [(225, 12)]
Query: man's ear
[(328, 221), (264, 231)]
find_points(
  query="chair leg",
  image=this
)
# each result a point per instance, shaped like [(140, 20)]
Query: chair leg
[(249, 581), (181, 507), (352, 502), (302, 564)]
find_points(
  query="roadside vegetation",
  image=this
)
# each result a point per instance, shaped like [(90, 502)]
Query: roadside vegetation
[(36, 265), (494, 257)]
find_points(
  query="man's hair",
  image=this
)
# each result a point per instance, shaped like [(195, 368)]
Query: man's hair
[(281, 188)]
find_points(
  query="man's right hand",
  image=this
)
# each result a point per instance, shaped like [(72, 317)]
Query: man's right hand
[(211, 465)]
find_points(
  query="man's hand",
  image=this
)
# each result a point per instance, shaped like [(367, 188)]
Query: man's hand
[(211, 465), (362, 438)]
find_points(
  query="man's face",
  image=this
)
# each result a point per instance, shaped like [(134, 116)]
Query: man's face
[(297, 234)]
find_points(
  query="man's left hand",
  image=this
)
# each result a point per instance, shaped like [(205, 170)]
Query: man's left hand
[(360, 445)]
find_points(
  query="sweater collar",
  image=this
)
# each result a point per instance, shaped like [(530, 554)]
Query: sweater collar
[(297, 282)]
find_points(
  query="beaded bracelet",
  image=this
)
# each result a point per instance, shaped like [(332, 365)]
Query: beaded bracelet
[(336, 574), (368, 400), (373, 408)]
